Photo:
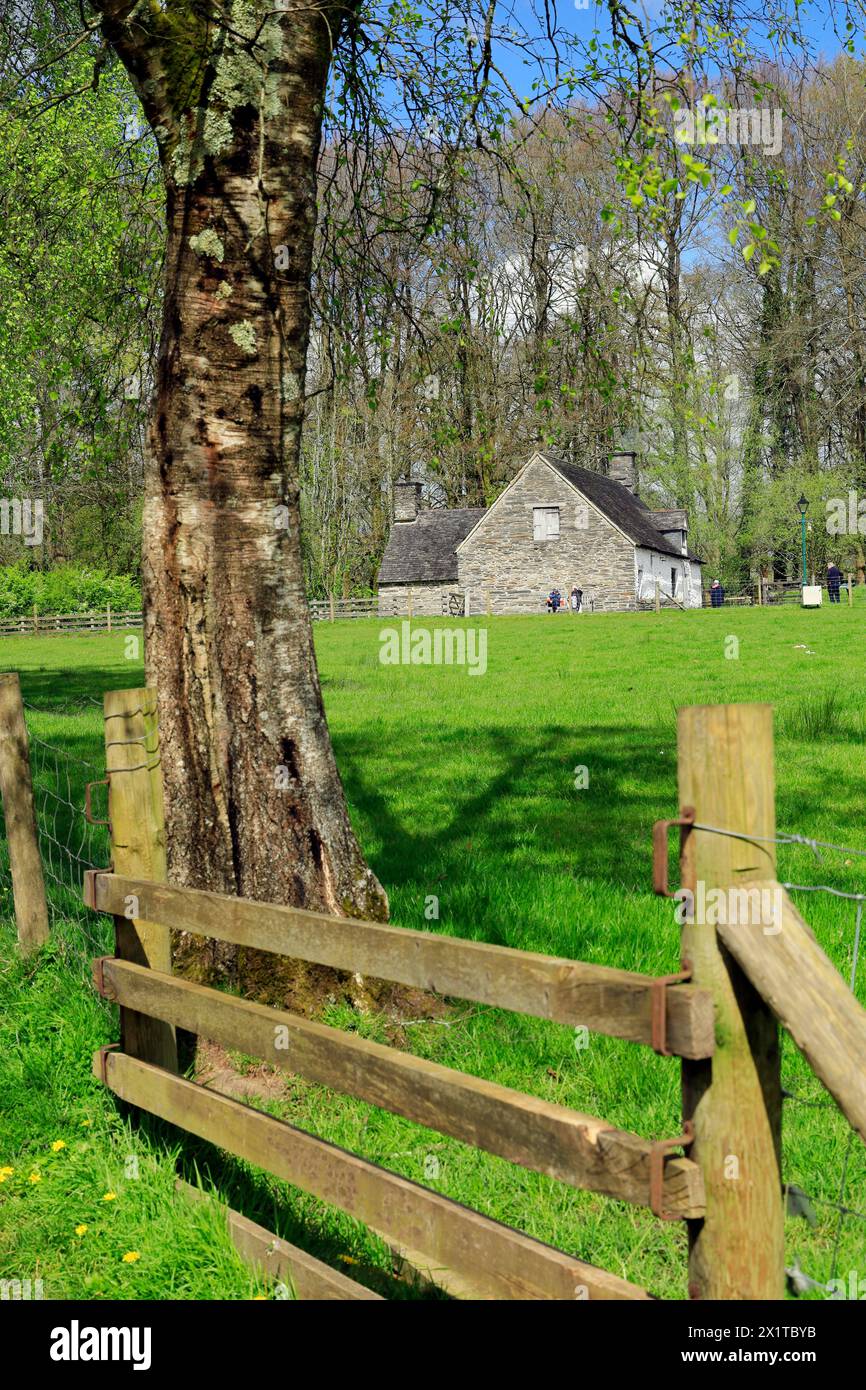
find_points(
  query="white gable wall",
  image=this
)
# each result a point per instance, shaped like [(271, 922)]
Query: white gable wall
[(650, 566)]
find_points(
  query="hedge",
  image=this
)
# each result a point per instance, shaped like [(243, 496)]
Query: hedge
[(64, 590)]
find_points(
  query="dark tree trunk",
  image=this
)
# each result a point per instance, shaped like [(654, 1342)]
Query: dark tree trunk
[(254, 802)]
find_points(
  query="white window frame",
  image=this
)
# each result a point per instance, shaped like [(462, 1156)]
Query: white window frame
[(542, 530)]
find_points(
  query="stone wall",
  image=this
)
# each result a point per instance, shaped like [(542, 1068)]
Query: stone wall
[(428, 600), (502, 559)]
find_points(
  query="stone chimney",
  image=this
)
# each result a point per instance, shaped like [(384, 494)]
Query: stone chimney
[(621, 469), (407, 499)]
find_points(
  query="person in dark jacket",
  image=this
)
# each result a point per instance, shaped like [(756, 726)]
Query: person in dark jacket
[(717, 594), (834, 579)]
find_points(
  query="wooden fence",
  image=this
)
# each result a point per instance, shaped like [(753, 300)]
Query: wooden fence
[(104, 620), (329, 609), (108, 620), (718, 1013)]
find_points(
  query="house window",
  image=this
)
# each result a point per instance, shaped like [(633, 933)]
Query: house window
[(545, 523), (673, 583)]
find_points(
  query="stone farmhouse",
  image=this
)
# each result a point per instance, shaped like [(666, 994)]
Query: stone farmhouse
[(554, 526)]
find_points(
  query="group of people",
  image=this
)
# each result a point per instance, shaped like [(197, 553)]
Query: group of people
[(555, 601), (834, 584)]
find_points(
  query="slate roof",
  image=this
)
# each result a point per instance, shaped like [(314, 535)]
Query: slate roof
[(670, 519), (424, 551), (628, 512)]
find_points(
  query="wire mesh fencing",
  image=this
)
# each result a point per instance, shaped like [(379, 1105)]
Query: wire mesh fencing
[(65, 741)]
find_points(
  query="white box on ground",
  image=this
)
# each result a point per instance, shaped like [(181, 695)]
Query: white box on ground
[(812, 596)]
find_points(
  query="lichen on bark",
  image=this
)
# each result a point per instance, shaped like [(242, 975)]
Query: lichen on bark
[(244, 335), (207, 243)]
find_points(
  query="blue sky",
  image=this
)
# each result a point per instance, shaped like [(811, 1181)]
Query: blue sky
[(822, 23)]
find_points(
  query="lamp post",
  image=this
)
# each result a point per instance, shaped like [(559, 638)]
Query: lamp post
[(803, 505)]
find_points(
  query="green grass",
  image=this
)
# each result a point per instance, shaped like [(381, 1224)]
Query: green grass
[(461, 788)]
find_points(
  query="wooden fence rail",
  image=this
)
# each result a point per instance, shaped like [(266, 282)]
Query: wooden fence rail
[(618, 1003), (537, 1134), (493, 1260)]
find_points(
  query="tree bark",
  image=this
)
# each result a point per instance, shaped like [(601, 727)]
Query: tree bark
[(254, 801)]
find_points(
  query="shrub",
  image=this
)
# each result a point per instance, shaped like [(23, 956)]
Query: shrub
[(66, 589)]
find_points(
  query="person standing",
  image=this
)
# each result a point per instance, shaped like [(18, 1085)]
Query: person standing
[(717, 594), (576, 596), (834, 579)]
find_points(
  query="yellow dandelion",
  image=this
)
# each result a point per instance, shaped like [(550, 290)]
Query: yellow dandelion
[(58, 1145), (348, 1259), (6, 1171), (35, 1177), (109, 1197), (81, 1230), (130, 1257), (260, 1298), (3, 1177)]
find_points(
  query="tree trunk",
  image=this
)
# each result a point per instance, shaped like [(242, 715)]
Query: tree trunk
[(254, 802)]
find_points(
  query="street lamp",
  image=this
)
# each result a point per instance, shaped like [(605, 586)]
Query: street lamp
[(803, 505)]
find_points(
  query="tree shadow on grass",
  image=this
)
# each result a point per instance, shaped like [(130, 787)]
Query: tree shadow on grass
[(56, 689), (602, 831)]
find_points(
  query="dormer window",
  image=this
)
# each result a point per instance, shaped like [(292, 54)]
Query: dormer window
[(545, 523)]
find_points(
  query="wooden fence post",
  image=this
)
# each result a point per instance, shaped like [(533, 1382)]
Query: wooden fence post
[(850, 594), (108, 617), (331, 602), (132, 762), (734, 1100), (16, 789)]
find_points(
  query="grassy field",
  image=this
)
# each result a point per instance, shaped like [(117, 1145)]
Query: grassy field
[(462, 789)]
